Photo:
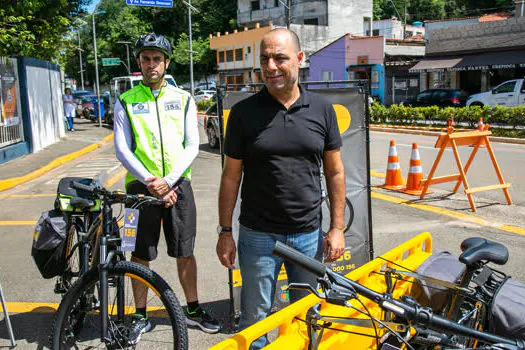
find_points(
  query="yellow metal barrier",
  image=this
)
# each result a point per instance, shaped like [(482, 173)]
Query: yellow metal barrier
[(293, 333)]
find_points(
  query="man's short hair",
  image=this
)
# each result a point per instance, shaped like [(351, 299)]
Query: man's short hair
[(291, 33)]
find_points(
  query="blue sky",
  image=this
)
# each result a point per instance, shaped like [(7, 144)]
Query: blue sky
[(93, 5)]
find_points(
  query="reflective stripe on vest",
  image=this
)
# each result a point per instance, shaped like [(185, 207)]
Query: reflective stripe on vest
[(158, 127)]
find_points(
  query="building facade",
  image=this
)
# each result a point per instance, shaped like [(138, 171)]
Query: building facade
[(474, 57), (383, 62), (394, 29)]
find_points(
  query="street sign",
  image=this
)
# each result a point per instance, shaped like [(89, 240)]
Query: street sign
[(153, 3), (111, 62)]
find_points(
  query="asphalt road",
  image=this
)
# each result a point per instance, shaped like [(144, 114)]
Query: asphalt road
[(447, 217)]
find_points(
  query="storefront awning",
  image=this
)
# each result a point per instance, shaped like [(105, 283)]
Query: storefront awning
[(489, 60), (435, 64)]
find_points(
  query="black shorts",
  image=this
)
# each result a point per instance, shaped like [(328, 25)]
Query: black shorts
[(179, 223)]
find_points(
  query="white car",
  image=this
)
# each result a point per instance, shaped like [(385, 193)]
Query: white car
[(203, 95), (510, 93)]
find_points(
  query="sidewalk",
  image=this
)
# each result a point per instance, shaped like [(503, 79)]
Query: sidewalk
[(87, 136)]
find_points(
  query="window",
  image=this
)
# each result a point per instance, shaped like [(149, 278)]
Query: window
[(221, 56), (229, 56), (362, 59), (328, 75), (505, 88), (256, 5), (523, 87), (312, 21), (375, 32), (276, 3), (249, 49), (424, 96), (238, 55)]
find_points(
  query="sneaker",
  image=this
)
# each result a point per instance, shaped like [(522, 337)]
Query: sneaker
[(200, 318), (139, 325)]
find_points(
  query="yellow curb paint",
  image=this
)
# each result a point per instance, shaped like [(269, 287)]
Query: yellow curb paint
[(27, 195), (9, 183), (22, 307), (452, 214), (17, 223)]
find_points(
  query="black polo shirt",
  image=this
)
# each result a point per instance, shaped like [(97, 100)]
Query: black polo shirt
[(282, 152)]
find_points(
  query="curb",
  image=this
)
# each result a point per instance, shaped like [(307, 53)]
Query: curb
[(426, 132), (15, 181)]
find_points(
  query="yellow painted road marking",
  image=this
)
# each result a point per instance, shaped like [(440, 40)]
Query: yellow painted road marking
[(17, 223), (22, 307), (116, 177), (452, 214), (27, 195), (376, 174)]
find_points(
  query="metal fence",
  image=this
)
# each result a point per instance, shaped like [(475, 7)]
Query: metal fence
[(11, 129)]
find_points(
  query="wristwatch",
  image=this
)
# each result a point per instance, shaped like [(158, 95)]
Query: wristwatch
[(221, 229)]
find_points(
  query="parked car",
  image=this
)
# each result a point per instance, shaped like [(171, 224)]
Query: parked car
[(77, 96), (86, 106), (212, 126), (206, 86), (204, 95), (438, 97), (510, 93)]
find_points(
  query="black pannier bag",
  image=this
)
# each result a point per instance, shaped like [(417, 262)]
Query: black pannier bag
[(507, 312), (49, 243), (443, 266)]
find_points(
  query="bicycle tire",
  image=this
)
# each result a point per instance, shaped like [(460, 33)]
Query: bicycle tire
[(64, 337), (349, 214)]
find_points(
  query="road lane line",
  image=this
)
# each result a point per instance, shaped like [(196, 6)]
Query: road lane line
[(461, 216), (24, 307), (17, 223), (4, 196), (115, 177)]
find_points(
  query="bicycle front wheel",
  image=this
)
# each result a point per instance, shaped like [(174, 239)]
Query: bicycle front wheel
[(77, 322)]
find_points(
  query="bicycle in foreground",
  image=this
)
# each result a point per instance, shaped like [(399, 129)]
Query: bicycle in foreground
[(406, 324), (98, 304)]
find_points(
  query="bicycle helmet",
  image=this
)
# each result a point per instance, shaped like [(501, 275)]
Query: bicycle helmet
[(153, 41)]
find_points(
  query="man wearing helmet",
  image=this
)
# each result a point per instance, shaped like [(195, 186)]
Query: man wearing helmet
[(156, 140)]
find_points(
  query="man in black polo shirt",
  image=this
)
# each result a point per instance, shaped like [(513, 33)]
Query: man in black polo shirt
[(280, 138)]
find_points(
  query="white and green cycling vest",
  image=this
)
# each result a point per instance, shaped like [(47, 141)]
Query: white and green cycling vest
[(158, 126)]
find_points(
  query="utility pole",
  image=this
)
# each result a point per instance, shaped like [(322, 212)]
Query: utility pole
[(190, 8), (81, 67), (405, 25), (289, 16)]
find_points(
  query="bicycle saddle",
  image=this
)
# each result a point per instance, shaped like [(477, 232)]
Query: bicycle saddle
[(77, 202), (476, 249)]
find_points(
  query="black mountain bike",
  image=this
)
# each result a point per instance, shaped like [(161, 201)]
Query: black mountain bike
[(97, 307), (408, 318)]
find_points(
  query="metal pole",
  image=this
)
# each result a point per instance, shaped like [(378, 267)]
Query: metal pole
[(127, 54), (289, 16), (96, 71), (405, 19), (8, 321), (191, 47), (81, 67)]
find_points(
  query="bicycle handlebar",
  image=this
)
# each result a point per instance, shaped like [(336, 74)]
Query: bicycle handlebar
[(410, 312), (117, 196)]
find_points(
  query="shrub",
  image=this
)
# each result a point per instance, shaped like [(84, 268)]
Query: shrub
[(398, 114), (203, 105)]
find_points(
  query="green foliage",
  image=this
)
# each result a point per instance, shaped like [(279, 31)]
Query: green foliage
[(203, 105), (38, 28), (398, 114), (420, 10)]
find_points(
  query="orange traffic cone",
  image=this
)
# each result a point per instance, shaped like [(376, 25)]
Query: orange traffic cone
[(480, 124), (415, 174), (394, 180)]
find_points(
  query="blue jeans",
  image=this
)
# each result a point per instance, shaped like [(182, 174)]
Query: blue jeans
[(259, 271)]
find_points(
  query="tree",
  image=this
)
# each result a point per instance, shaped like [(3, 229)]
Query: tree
[(203, 58), (38, 28)]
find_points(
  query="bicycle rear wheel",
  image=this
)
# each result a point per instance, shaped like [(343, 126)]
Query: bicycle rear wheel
[(164, 311)]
